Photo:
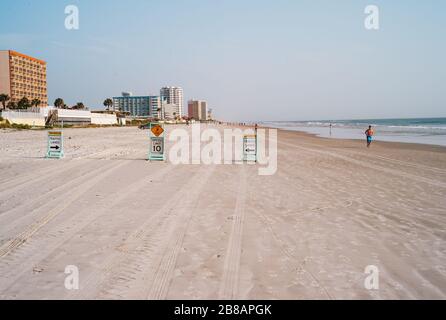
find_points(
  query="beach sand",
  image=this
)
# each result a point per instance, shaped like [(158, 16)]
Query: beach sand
[(140, 230)]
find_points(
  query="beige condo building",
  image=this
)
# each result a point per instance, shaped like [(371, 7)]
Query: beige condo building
[(23, 76), (198, 110)]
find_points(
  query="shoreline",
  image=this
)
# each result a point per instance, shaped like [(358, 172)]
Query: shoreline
[(380, 135), (403, 145)]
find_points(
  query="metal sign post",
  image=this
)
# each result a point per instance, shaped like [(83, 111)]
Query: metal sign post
[(250, 148), (156, 151), (55, 145)]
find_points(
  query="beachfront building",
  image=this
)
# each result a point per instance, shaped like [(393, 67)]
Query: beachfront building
[(23, 76), (155, 106), (198, 110), (137, 106), (173, 95), (171, 111)]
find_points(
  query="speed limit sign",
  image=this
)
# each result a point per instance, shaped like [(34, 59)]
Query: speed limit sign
[(157, 145), (156, 148), (156, 151)]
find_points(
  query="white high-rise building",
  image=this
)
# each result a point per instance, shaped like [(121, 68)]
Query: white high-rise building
[(170, 111), (173, 95)]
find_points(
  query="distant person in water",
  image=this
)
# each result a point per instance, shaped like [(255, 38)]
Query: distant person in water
[(369, 134)]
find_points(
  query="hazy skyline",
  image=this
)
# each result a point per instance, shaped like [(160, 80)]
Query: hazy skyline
[(251, 60)]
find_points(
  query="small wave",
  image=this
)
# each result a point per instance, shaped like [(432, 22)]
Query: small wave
[(417, 127)]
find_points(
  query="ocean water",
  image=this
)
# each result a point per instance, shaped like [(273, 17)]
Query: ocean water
[(416, 130)]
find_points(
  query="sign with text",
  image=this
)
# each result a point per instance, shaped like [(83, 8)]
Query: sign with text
[(55, 145), (157, 147), (156, 152), (250, 148)]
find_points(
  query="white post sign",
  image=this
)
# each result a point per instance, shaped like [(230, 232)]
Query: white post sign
[(157, 146), (250, 148), (55, 145), (156, 152)]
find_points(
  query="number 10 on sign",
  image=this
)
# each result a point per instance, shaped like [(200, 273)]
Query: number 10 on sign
[(156, 149)]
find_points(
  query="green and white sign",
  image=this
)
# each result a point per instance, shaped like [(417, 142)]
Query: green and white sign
[(157, 148), (55, 145), (250, 148), (156, 151)]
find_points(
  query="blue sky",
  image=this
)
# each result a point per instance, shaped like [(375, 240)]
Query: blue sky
[(252, 60)]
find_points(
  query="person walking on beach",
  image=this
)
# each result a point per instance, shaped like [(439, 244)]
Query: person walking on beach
[(369, 134)]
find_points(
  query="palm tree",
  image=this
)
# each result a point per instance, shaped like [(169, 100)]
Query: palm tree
[(11, 105), (59, 103), (35, 103), (4, 98), (23, 103), (108, 103), (79, 106)]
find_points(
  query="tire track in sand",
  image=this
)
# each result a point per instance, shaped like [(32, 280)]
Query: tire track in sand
[(401, 162), (229, 285), (11, 187), (49, 166), (146, 260), (166, 266), (32, 206), (163, 274), (95, 278), (418, 166), (290, 255), (76, 193), (371, 166), (71, 227)]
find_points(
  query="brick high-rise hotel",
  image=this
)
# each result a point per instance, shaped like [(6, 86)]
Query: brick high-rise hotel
[(23, 76)]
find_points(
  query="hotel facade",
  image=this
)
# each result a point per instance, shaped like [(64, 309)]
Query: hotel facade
[(23, 76), (138, 106)]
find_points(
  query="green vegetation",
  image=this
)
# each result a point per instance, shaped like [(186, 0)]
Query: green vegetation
[(59, 103), (35, 102), (4, 98), (108, 103), (78, 106), (5, 124), (65, 126), (23, 103), (20, 126), (11, 105), (135, 123)]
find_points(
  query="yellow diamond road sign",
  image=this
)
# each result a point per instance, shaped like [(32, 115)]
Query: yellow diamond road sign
[(157, 130)]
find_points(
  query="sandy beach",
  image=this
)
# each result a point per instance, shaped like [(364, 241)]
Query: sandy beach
[(141, 230)]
